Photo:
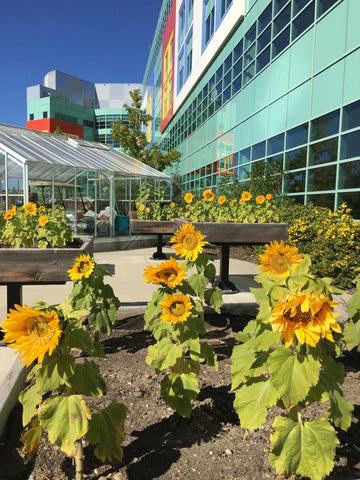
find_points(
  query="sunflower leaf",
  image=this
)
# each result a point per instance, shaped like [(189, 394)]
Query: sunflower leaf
[(31, 438), (292, 375), (213, 297), (304, 448), (87, 379), (163, 354), (210, 272), (354, 305), (29, 399), (352, 334), (106, 432), (78, 337), (245, 362), (179, 390), (55, 371), (65, 419), (198, 283), (252, 401)]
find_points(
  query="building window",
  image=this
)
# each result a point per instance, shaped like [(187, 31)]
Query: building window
[(181, 71), (209, 7), (181, 23), (190, 12), (224, 6), (188, 49), (31, 116), (45, 114)]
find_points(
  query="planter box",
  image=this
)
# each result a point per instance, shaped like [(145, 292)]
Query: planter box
[(39, 265), (151, 226), (238, 233)]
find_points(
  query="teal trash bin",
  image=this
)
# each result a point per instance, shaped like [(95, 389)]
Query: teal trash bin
[(121, 223)]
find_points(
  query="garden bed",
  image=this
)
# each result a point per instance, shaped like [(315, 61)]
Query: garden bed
[(159, 443)]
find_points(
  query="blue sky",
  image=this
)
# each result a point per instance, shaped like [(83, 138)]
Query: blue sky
[(100, 41)]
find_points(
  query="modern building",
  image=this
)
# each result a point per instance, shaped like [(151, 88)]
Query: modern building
[(234, 82), (77, 107)]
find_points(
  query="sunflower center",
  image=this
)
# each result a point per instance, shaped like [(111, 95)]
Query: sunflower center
[(299, 317), (190, 241), (168, 275), (83, 267), (39, 330), (279, 263), (177, 309)]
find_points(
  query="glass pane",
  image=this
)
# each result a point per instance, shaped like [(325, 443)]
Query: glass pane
[(324, 5), (237, 68), (249, 73), (250, 35), (238, 50), (265, 18), (228, 63), (321, 178), (351, 116), (349, 175), (298, 5), (281, 20), (249, 55), (350, 145), (245, 155), (218, 74), (275, 162), (323, 200), (275, 144), (323, 152), (297, 136), (263, 59), (295, 182), (264, 39), (352, 199), (303, 21), (278, 5), (236, 85), (325, 125), (295, 159), (281, 42), (227, 80), (258, 150)]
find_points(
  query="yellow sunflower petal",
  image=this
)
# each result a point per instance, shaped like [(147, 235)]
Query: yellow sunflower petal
[(278, 258), (83, 267), (188, 242), (169, 273), (32, 333), (176, 308)]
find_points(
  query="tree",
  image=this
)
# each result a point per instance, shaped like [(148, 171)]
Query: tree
[(133, 140)]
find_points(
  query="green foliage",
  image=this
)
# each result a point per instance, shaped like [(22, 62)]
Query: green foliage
[(56, 399), (265, 373), (331, 238), (352, 327), (133, 140), (179, 351)]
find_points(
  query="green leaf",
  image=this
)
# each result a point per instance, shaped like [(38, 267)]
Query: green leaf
[(87, 379), (31, 438), (245, 362), (196, 324), (292, 375), (56, 370), (352, 334), (208, 354), (354, 304), (29, 399), (163, 354), (213, 297), (305, 449), (101, 319), (252, 400), (106, 431), (78, 337), (210, 272), (65, 419), (179, 390), (198, 283)]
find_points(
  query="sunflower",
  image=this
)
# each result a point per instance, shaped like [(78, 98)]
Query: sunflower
[(9, 214), (268, 196), (43, 220), (209, 195), (82, 268), (30, 209), (260, 199), (172, 204), (142, 208), (188, 242), (221, 199), (246, 196), (176, 308), (33, 333), (42, 208), (188, 197), (278, 258), (169, 272), (308, 316)]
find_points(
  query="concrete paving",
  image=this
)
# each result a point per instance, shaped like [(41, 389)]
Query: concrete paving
[(126, 268)]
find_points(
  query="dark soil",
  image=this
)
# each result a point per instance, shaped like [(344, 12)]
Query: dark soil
[(159, 444)]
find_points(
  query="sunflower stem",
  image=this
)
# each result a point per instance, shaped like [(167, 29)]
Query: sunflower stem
[(79, 459)]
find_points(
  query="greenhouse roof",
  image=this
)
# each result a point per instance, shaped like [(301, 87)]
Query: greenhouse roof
[(49, 149)]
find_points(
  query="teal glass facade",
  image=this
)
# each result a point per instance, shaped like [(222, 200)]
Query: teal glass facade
[(284, 88)]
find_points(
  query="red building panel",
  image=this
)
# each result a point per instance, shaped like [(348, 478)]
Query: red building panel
[(51, 124)]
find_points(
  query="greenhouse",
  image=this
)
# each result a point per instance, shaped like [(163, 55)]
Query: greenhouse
[(96, 184)]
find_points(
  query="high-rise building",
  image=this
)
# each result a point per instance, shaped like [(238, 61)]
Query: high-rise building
[(233, 82), (77, 107)]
